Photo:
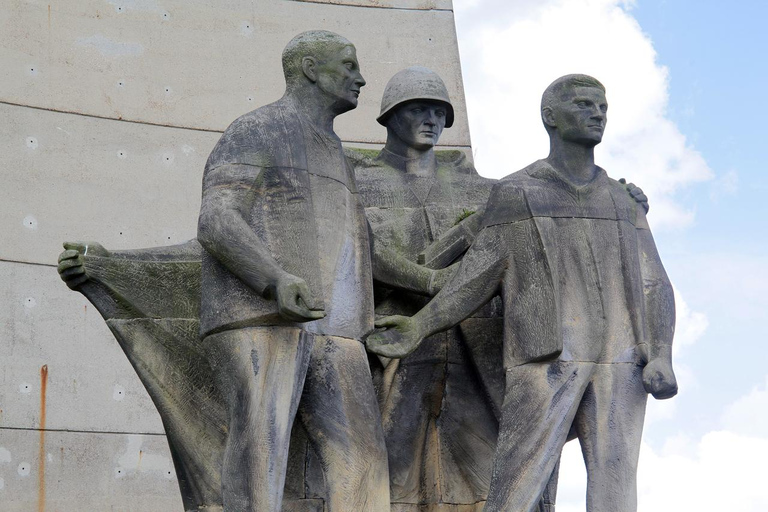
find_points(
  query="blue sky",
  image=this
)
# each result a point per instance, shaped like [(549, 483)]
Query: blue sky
[(686, 83)]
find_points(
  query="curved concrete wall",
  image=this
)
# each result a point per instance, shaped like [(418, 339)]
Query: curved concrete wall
[(108, 110)]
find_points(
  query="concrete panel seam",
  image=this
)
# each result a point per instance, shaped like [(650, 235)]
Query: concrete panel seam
[(73, 431), (3, 260), (94, 116), (372, 6), (175, 127)]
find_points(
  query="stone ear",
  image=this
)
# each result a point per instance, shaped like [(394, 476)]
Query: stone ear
[(547, 116), (309, 67)]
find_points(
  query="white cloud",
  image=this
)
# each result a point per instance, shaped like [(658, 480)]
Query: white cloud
[(749, 414), (510, 57), (725, 185), (724, 470), (689, 326)]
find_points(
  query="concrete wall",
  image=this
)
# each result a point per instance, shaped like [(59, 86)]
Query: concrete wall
[(108, 110)]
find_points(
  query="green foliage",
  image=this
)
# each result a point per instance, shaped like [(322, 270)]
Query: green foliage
[(463, 215)]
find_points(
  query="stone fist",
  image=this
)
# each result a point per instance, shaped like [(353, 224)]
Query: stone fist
[(398, 339), (72, 261), (292, 298), (659, 379)]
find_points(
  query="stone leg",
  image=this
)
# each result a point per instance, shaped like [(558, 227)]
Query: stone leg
[(609, 424), (260, 372), (413, 398), (341, 416), (540, 403)]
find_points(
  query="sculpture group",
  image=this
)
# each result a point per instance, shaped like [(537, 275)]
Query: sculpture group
[(552, 317)]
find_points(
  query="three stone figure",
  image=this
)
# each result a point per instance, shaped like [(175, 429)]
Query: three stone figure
[(552, 317)]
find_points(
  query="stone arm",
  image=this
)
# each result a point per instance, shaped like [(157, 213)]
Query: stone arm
[(395, 270), (228, 194), (476, 282), (658, 376)]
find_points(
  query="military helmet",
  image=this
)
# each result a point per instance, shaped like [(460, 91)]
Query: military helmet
[(414, 83)]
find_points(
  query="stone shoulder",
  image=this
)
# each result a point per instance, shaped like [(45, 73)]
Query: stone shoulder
[(252, 137)]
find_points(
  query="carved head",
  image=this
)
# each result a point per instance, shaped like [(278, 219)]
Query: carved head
[(574, 109), (327, 63), (416, 107), (414, 83)]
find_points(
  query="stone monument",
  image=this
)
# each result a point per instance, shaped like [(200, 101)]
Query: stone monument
[(150, 299), (588, 311), (110, 109)]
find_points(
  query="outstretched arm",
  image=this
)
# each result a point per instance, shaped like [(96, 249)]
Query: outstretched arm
[(225, 234), (397, 271), (658, 376), (475, 283)]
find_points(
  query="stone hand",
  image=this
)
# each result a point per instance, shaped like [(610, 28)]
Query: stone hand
[(292, 297), (637, 194), (398, 339), (659, 378), (72, 261)]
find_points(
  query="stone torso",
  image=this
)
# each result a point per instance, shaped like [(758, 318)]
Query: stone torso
[(407, 212), (342, 239), (574, 288), (303, 205)]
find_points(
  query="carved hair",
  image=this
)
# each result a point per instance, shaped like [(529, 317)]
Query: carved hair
[(314, 43), (556, 89)]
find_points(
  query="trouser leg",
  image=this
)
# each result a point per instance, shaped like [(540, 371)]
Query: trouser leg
[(540, 403), (549, 496), (260, 372), (409, 404), (609, 424), (341, 415)]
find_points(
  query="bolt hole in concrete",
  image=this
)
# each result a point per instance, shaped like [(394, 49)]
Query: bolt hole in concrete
[(32, 142), (23, 469), (30, 222), (246, 28), (24, 388), (30, 302)]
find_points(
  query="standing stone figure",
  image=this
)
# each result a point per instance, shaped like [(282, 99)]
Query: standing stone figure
[(286, 289), (438, 420), (588, 312)]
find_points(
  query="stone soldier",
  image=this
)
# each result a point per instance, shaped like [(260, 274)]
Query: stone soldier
[(286, 289), (588, 311), (438, 420)]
